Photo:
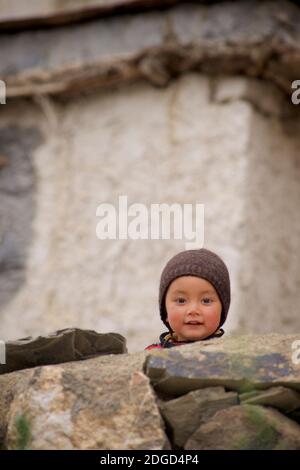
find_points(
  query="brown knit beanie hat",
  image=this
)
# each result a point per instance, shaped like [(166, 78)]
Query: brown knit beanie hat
[(201, 263)]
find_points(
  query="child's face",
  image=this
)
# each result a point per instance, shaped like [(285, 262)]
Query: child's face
[(193, 299)]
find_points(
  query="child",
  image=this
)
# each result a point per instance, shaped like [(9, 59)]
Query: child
[(194, 298)]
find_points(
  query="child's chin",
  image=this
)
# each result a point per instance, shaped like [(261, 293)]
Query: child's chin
[(195, 337), (198, 336)]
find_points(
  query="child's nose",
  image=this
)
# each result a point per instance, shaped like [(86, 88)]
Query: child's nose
[(194, 307)]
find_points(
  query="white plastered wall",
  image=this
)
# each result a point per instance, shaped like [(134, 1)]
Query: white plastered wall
[(215, 142)]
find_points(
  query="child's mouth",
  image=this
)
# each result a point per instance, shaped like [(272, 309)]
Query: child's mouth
[(194, 323)]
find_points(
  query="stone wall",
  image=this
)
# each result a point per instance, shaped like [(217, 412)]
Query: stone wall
[(242, 392), (136, 103)]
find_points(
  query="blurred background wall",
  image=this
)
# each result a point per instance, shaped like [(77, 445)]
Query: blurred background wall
[(165, 102)]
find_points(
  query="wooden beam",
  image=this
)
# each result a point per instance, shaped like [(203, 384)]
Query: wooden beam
[(256, 39)]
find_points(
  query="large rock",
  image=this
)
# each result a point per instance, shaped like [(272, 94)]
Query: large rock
[(11, 386), (100, 403), (70, 344), (246, 427), (184, 415), (282, 398), (242, 363)]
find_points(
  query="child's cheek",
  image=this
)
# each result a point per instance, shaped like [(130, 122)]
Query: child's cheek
[(174, 313), (176, 310)]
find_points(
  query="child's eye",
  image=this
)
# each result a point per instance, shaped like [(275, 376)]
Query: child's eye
[(206, 300), (180, 300)]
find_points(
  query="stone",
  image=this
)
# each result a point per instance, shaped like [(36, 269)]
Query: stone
[(241, 363), (101, 403), (11, 385), (246, 427), (108, 402), (69, 344), (184, 415), (282, 398)]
